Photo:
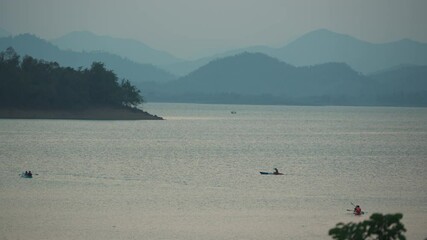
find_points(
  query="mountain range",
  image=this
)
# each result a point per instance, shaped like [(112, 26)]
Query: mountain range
[(319, 68), (257, 78), (316, 47), (323, 46), (127, 48), (27, 44)]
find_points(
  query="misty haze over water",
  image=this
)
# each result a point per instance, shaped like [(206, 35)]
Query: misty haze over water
[(332, 93), (196, 175)]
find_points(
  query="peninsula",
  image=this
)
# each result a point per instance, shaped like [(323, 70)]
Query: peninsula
[(100, 113)]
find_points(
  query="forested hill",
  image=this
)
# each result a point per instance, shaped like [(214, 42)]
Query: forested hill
[(36, 84), (256, 78)]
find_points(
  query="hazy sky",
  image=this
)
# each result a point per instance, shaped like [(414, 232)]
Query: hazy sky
[(192, 28)]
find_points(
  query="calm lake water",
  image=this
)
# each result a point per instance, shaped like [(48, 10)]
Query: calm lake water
[(196, 174)]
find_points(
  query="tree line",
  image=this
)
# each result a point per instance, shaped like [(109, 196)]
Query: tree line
[(38, 84)]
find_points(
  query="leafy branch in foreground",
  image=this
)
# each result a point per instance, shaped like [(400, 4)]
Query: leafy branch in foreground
[(377, 227)]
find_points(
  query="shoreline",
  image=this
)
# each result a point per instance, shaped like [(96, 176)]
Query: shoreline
[(94, 113)]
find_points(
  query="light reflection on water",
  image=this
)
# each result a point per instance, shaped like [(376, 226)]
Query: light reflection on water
[(195, 175)]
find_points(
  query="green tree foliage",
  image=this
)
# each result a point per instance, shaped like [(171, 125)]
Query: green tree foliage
[(378, 227), (33, 83), (130, 94)]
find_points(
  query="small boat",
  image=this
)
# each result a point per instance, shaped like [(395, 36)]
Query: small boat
[(358, 214), (270, 173), (26, 175)]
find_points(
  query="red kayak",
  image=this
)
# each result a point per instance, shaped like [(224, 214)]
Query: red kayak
[(358, 214)]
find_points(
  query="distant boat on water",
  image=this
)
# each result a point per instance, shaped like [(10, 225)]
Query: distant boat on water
[(26, 174)]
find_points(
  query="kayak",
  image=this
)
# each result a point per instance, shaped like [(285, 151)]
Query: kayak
[(26, 175), (270, 173), (356, 214)]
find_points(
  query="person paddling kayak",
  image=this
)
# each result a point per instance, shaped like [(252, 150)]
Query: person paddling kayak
[(276, 172), (357, 210), (27, 174)]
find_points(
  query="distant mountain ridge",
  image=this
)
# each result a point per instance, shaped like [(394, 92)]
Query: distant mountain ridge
[(315, 47), (235, 74), (403, 79), (27, 44), (256, 78), (323, 46), (127, 48)]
